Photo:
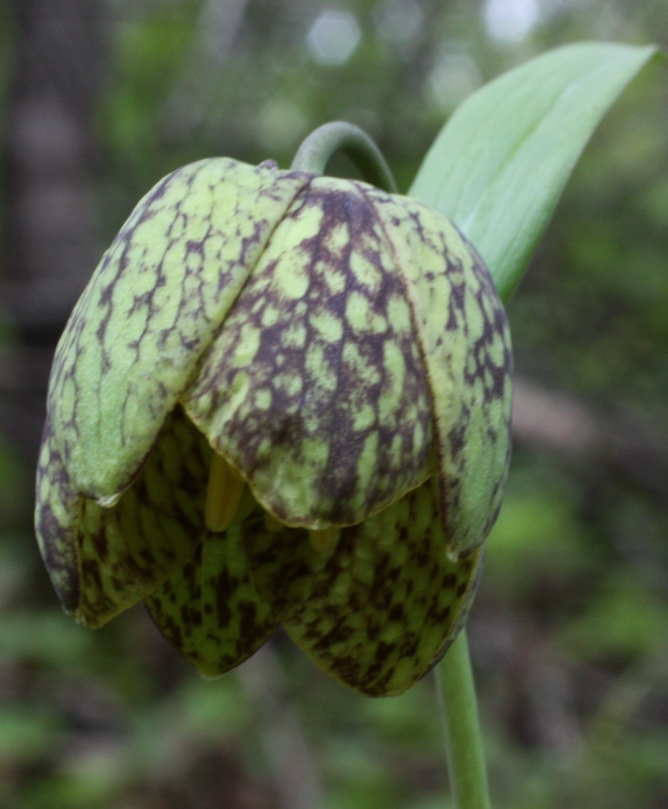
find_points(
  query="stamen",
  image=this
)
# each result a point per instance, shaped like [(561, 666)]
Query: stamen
[(271, 523), (323, 541), (222, 494)]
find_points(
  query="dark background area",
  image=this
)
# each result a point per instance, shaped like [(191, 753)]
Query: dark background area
[(569, 633)]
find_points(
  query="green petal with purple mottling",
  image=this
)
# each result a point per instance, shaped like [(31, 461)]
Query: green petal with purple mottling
[(211, 610), (367, 321), (103, 560), (376, 612), (462, 330), (151, 310), (133, 341), (388, 602), (315, 388)]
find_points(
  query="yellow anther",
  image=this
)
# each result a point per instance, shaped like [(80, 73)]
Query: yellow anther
[(222, 494), (271, 523), (323, 540)]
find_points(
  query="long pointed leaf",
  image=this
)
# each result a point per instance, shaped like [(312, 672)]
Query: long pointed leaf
[(499, 165)]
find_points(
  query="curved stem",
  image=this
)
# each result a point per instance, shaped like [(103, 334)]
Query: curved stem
[(466, 759), (338, 136)]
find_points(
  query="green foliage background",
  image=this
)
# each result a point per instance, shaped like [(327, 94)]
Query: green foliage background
[(570, 629)]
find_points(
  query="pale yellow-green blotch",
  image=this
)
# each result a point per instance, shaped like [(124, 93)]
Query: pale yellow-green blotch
[(331, 364)]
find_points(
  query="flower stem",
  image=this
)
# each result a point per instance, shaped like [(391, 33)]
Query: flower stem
[(466, 759), (339, 136)]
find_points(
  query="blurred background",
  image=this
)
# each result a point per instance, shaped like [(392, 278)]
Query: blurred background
[(569, 633)]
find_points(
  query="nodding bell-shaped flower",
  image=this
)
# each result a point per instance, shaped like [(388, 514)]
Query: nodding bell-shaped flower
[(281, 399)]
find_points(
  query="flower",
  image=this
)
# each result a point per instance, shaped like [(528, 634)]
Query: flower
[(281, 399)]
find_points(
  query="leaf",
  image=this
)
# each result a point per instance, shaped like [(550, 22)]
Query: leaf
[(499, 165)]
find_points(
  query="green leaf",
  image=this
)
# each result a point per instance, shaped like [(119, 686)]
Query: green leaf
[(499, 165)]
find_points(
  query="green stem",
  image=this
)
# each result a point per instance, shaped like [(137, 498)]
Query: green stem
[(466, 759), (338, 136)]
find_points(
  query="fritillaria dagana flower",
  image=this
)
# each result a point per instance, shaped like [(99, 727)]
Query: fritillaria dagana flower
[(281, 399)]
